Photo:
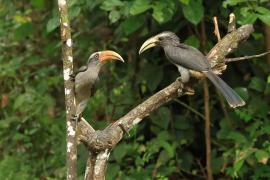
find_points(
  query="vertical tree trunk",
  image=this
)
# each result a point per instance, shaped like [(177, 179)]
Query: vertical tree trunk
[(71, 155)]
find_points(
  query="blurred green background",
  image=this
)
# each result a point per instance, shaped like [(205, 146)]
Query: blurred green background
[(167, 145)]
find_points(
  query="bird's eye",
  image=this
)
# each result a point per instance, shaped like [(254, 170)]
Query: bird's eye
[(161, 38), (96, 56)]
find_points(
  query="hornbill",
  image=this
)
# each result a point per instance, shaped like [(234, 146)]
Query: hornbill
[(187, 58), (86, 76)]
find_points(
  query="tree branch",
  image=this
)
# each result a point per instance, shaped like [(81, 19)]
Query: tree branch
[(96, 165), (231, 24), (227, 44), (246, 57), (71, 156), (111, 135)]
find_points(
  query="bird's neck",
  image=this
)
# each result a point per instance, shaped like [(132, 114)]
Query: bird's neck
[(170, 43), (95, 65)]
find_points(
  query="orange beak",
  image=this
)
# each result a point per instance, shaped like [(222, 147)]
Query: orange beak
[(109, 55)]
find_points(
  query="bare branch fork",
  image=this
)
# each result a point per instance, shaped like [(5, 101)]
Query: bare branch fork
[(101, 142)]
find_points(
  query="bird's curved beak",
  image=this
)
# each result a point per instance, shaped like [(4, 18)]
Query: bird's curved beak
[(149, 43), (109, 55)]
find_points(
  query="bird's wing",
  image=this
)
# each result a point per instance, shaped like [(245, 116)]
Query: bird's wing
[(93, 87), (81, 69), (187, 57)]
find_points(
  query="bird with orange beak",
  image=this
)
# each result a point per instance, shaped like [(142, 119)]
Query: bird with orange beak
[(86, 77)]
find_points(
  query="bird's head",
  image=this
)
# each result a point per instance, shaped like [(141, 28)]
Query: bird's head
[(103, 56), (162, 39)]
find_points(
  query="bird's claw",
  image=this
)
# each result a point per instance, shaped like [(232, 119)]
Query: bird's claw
[(179, 79), (74, 117), (180, 92), (72, 77)]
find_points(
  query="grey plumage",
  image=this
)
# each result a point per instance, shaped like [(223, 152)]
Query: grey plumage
[(84, 82), (86, 77), (188, 58)]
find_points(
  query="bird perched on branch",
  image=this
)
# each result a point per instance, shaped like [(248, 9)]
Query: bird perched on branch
[(187, 58), (86, 76)]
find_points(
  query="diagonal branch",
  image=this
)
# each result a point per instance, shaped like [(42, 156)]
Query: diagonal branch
[(110, 136)]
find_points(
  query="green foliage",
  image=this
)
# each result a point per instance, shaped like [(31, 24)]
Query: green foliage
[(169, 144), (250, 11), (194, 11)]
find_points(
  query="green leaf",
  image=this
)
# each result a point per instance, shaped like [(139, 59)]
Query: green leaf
[(257, 84), (240, 157), (23, 31), (109, 5), (262, 156), (232, 2), (193, 41), (194, 11), (163, 11), (114, 16), (243, 114), (139, 6), (74, 11), (52, 24), (168, 147), (268, 79), (242, 92), (181, 122), (184, 1), (258, 107), (262, 10), (38, 3), (153, 76), (237, 136), (120, 151), (131, 24), (163, 158), (22, 100), (247, 15), (161, 118), (265, 18), (112, 171)]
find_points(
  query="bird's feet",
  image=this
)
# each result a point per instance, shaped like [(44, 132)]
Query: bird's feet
[(189, 91), (72, 77), (179, 79), (183, 79), (75, 117)]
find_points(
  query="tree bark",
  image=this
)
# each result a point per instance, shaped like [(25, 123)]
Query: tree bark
[(71, 154)]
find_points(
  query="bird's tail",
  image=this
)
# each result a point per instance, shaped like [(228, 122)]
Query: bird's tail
[(230, 95)]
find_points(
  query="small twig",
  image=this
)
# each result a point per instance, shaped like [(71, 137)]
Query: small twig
[(201, 167), (231, 24), (246, 57), (216, 31), (190, 108)]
